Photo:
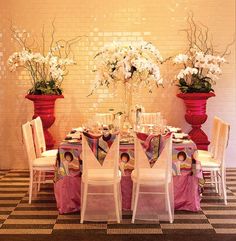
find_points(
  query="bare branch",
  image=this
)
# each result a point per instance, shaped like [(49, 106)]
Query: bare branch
[(53, 33), (226, 51)]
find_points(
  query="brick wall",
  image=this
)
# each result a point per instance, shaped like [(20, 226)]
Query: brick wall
[(102, 22)]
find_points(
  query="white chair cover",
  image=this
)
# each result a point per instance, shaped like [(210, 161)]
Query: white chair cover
[(103, 199), (155, 198), (39, 140), (104, 118), (150, 118), (222, 143), (215, 134), (37, 166), (216, 165), (29, 143)]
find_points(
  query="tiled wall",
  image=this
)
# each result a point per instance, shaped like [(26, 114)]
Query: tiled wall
[(103, 21)]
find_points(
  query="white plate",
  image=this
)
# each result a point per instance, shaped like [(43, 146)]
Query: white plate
[(180, 135), (177, 140), (73, 141), (173, 129)]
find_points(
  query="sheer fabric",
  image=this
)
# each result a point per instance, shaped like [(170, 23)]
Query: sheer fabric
[(101, 196), (153, 186)]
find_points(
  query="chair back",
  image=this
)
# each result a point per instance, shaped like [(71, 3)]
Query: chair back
[(222, 143), (215, 135), (104, 118), (150, 118), (39, 140), (28, 143), (164, 161), (90, 161)]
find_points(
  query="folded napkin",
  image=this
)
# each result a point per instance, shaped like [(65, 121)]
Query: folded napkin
[(173, 129), (180, 135)]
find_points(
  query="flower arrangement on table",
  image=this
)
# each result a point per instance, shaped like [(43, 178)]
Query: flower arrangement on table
[(47, 69), (134, 64), (201, 65)]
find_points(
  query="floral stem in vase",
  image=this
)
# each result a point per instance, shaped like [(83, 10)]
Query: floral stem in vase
[(128, 100)]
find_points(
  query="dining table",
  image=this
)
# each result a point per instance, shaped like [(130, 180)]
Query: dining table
[(187, 174)]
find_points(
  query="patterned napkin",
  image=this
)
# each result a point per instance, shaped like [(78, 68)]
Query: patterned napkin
[(151, 145), (100, 144)]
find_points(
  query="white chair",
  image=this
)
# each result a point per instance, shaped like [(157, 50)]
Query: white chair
[(39, 140), (36, 165), (152, 196), (216, 164), (150, 118), (203, 154), (104, 118), (103, 182), (214, 139)]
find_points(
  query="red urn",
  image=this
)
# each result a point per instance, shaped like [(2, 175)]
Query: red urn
[(196, 115), (44, 107)]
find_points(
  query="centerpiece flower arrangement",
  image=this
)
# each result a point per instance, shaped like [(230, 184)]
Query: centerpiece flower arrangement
[(200, 64), (47, 69), (134, 64)]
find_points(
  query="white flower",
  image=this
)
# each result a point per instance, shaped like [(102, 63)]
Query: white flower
[(135, 63), (181, 58), (201, 65)]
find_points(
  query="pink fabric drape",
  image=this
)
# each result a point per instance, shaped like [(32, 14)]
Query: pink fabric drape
[(186, 193)]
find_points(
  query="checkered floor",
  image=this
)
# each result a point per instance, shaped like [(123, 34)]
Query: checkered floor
[(41, 217)]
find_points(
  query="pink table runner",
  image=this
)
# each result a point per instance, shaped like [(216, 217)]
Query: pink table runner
[(187, 177)]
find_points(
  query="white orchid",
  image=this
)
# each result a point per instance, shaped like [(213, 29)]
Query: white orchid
[(132, 63), (47, 69), (199, 69), (181, 58)]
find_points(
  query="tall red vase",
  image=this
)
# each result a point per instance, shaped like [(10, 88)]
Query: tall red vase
[(196, 116), (44, 106)]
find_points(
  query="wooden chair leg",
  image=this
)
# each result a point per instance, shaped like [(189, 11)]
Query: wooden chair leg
[(31, 185), (215, 181), (39, 180), (223, 182)]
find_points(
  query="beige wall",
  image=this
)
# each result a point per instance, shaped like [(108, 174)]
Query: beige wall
[(158, 21)]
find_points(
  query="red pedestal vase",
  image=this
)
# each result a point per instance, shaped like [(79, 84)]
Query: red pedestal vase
[(44, 107), (196, 115)]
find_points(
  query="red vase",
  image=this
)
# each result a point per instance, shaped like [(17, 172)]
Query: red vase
[(44, 107), (196, 115)]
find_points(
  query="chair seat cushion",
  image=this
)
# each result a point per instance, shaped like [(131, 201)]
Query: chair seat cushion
[(44, 162), (50, 153), (102, 175), (201, 154), (149, 175), (209, 163)]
